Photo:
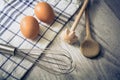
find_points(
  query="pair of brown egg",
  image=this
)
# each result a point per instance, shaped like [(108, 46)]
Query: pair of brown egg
[(29, 26)]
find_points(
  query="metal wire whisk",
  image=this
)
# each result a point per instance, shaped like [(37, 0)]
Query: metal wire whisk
[(53, 61)]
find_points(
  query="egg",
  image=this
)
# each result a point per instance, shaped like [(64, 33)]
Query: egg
[(29, 27), (44, 12)]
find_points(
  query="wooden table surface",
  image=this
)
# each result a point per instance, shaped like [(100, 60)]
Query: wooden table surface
[(105, 27)]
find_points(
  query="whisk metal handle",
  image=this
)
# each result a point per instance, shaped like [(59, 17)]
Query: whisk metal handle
[(7, 49)]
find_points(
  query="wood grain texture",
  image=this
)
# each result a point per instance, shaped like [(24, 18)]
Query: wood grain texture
[(114, 5), (105, 28)]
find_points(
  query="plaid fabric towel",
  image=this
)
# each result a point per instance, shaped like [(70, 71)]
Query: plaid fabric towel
[(14, 68)]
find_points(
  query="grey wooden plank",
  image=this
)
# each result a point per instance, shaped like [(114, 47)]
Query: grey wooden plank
[(105, 25), (114, 5), (105, 29)]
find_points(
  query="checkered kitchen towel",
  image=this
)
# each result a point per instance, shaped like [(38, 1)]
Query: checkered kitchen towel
[(14, 68)]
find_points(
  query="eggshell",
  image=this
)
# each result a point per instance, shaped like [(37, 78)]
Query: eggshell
[(29, 27), (44, 12)]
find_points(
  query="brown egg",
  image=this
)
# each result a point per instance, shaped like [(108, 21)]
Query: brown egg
[(29, 27), (44, 12)]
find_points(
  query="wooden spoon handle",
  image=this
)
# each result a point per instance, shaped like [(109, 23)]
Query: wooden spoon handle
[(88, 33), (79, 15)]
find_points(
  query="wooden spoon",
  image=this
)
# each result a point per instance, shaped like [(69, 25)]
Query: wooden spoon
[(89, 47)]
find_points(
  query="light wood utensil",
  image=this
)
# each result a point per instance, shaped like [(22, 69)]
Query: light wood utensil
[(89, 47), (69, 35)]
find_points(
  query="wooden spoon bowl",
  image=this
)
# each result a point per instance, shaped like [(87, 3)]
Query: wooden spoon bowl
[(90, 48)]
